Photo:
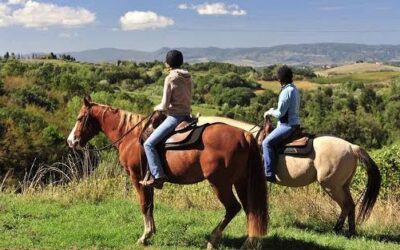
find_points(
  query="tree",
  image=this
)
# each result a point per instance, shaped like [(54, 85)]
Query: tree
[(236, 96), (52, 56), (6, 56), (369, 100)]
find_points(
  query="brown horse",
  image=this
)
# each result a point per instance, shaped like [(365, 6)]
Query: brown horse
[(332, 163), (226, 156)]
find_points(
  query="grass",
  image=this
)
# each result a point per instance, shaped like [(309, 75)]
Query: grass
[(99, 214), (12, 83)]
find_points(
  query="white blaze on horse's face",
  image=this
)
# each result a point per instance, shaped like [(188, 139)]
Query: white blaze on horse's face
[(72, 140)]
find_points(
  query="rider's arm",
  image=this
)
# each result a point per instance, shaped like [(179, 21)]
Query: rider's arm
[(283, 104), (166, 95)]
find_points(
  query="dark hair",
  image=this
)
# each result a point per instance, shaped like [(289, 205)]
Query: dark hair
[(174, 58), (285, 74)]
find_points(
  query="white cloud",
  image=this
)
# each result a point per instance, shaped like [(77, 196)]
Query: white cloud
[(4, 15), (16, 2), (33, 14), (141, 20), (215, 9)]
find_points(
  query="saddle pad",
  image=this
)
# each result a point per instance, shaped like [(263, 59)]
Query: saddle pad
[(307, 149), (178, 137), (191, 139)]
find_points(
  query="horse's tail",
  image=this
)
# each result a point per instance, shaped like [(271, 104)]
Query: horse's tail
[(371, 192), (257, 213)]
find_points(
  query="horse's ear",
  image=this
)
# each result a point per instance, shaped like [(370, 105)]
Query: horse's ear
[(87, 100)]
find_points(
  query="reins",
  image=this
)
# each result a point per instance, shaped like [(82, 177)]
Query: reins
[(260, 125)]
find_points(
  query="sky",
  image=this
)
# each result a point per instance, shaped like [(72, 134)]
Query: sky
[(60, 26)]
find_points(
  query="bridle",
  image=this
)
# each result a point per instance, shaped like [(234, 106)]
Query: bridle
[(114, 143)]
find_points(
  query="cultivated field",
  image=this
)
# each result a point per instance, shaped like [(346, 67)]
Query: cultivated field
[(275, 86), (358, 68)]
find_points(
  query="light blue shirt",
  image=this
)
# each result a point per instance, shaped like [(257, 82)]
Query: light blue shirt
[(289, 102)]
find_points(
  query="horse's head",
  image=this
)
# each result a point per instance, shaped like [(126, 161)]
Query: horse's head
[(266, 128), (86, 126)]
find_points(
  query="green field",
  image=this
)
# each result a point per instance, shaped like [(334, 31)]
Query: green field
[(106, 217)]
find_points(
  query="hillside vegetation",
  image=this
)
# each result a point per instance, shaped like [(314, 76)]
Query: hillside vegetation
[(40, 100)]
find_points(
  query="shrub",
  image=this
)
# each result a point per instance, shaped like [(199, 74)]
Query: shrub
[(35, 95)]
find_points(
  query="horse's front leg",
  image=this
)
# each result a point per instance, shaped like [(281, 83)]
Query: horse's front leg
[(146, 204)]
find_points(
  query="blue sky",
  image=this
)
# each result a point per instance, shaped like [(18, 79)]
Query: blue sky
[(73, 25)]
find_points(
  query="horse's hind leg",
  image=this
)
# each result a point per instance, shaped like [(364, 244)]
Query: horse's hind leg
[(342, 196), (352, 213), (232, 207)]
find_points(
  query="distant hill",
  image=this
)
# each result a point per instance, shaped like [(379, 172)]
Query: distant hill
[(312, 54), (359, 68)]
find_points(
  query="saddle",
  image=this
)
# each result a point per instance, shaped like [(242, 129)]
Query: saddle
[(299, 143), (186, 134)]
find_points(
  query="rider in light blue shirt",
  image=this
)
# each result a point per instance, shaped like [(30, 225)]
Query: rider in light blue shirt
[(288, 106), (287, 113)]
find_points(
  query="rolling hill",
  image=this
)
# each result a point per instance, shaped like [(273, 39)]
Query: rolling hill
[(313, 54)]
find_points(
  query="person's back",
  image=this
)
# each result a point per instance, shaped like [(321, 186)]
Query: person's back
[(181, 92)]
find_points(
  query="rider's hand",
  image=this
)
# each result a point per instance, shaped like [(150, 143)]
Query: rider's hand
[(267, 113)]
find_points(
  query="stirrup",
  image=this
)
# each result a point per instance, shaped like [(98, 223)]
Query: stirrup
[(146, 177), (147, 182)]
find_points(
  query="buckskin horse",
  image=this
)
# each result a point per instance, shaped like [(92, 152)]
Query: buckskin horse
[(332, 162), (226, 156)]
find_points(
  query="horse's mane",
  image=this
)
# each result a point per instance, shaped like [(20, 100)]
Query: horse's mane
[(126, 119)]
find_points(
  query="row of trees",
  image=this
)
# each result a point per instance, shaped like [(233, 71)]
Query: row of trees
[(51, 55)]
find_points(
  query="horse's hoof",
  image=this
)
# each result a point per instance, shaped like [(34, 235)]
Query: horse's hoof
[(337, 231), (350, 234), (210, 246), (141, 242)]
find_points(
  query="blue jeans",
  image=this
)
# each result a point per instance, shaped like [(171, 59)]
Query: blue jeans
[(269, 146), (165, 128)]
